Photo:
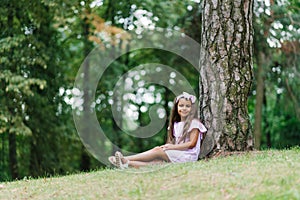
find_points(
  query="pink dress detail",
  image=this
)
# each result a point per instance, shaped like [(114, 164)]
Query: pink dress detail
[(188, 155)]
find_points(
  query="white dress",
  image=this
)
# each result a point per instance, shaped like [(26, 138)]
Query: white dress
[(188, 155)]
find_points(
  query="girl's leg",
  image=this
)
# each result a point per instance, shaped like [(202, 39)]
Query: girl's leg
[(138, 164), (157, 153)]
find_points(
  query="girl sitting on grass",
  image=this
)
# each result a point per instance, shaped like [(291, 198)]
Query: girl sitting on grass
[(183, 142)]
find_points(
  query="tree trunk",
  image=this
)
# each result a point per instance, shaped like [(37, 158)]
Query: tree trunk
[(13, 165), (262, 64), (85, 158), (35, 158), (266, 121), (226, 73), (259, 101), (85, 163)]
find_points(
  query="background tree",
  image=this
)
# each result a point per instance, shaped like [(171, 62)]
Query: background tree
[(276, 64), (32, 114), (16, 80)]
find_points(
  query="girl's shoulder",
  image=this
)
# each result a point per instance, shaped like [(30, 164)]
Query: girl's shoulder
[(196, 123), (196, 120)]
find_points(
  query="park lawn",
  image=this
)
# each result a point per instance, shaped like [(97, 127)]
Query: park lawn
[(268, 175)]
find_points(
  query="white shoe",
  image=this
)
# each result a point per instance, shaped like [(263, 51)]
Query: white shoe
[(112, 160), (119, 163)]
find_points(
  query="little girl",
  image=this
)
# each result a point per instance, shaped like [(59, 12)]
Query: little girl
[(183, 142)]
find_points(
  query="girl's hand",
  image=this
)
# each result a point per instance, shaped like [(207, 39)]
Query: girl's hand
[(167, 146)]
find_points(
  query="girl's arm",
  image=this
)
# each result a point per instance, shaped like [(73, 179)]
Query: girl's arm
[(168, 141), (194, 134)]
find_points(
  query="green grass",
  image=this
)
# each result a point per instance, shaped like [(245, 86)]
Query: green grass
[(256, 175)]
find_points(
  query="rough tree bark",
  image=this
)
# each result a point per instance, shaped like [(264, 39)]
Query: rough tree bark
[(226, 73)]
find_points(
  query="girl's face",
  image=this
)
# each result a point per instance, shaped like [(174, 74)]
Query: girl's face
[(184, 107)]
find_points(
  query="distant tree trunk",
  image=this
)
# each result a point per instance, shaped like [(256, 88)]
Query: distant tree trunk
[(139, 145), (116, 129), (267, 130), (262, 65), (13, 164), (35, 158), (167, 95), (259, 101), (85, 158), (226, 73), (85, 163), (2, 153)]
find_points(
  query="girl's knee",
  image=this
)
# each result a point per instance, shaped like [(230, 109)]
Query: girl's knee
[(160, 154), (157, 149)]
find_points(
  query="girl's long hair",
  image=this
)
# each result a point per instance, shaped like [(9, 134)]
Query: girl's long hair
[(175, 117)]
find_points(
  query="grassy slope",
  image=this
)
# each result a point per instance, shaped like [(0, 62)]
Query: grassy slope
[(255, 175)]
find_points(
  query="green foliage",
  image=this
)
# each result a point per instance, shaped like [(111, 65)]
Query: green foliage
[(30, 79), (277, 37), (20, 84)]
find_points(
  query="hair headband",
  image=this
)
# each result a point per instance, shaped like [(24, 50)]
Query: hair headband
[(186, 95)]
